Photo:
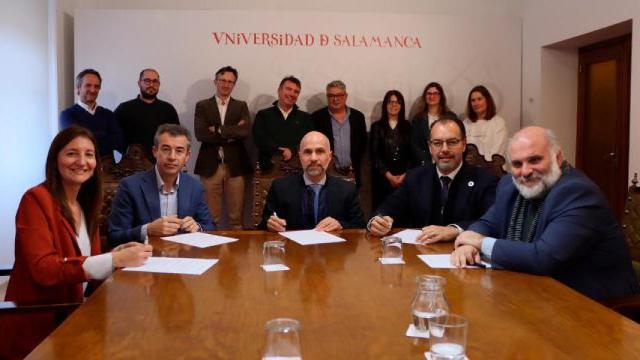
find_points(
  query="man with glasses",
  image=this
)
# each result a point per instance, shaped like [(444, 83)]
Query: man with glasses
[(344, 126), (442, 198), (222, 123), (139, 118), (161, 201)]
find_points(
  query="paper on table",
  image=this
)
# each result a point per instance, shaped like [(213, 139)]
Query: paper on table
[(171, 265), (391, 261), (274, 267), (311, 237), (408, 236), (443, 261), (198, 239), (412, 331), (427, 356)]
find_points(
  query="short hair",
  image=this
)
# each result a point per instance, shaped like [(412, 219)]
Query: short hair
[(148, 69), (225, 69), (445, 118), (337, 84), (292, 79), (90, 194), (442, 105), (554, 144), (84, 73), (173, 130), (491, 105), (385, 102)]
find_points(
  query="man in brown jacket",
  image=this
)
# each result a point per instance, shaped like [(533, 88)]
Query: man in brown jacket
[(221, 124)]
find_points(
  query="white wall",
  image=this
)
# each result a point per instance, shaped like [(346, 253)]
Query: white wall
[(24, 107), (549, 79)]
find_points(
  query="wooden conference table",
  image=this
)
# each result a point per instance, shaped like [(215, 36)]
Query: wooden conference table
[(349, 307)]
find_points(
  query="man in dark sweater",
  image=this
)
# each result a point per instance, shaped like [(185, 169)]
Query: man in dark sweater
[(139, 118), (88, 114), (279, 129)]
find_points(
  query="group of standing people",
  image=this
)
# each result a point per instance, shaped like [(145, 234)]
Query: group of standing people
[(398, 145)]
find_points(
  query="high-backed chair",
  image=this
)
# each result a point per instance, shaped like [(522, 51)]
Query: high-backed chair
[(133, 161), (262, 180), (630, 306), (473, 157)]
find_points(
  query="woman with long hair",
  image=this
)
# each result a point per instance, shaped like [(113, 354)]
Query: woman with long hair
[(435, 105), (57, 248), (485, 128), (390, 147)]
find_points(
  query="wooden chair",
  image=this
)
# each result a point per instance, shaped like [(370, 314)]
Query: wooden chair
[(133, 161), (630, 306), (262, 180), (473, 157)]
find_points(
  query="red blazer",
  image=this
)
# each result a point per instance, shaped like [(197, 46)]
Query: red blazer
[(47, 269)]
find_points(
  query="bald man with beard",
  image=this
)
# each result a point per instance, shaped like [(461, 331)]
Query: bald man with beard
[(550, 219), (312, 200)]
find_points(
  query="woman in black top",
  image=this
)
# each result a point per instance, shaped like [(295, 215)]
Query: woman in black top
[(390, 147)]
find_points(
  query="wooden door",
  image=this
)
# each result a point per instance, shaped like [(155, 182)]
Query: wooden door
[(603, 117)]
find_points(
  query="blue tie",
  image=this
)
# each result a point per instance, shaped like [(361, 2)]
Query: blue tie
[(316, 200)]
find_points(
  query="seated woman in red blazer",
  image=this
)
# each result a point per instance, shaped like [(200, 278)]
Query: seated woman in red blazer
[(57, 247)]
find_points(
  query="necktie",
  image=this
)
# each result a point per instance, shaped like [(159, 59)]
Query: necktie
[(444, 192), (316, 200)]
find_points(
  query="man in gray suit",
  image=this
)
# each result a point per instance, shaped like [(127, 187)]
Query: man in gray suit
[(221, 123)]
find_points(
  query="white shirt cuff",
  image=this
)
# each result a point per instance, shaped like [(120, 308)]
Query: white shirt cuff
[(486, 249), (143, 233), (98, 267)]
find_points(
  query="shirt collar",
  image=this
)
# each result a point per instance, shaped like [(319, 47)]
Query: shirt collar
[(219, 100), (285, 113), (160, 183), (452, 174), (347, 113), (308, 181), (87, 108)]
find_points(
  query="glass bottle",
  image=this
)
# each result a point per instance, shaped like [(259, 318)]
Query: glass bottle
[(429, 300)]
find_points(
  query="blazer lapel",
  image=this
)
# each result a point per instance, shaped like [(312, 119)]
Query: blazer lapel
[(149, 189)]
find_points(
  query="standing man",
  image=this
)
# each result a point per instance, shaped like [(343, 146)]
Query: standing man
[(312, 200), (550, 219), (139, 118), (222, 123), (87, 113), (344, 126), (279, 129), (443, 197), (163, 200)]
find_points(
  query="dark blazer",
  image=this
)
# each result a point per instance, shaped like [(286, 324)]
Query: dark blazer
[(577, 239), (322, 123), (292, 200), (137, 202), (416, 203), (47, 270), (420, 134), (230, 137)]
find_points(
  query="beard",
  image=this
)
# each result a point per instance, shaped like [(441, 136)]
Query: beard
[(145, 95), (543, 184), (314, 170)]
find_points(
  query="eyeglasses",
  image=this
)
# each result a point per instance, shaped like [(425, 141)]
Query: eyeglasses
[(394, 102), (433, 93), (226, 82), (336, 96), (151, 81), (451, 143)]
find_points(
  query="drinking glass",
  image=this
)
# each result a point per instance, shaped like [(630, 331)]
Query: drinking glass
[(283, 340), (273, 252), (392, 247), (448, 337)]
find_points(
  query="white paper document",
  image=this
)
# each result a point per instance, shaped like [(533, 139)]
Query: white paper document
[(171, 265), (412, 331), (311, 237), (391, 261), (443, 261), (408, 236), (274, 267), (199, 239)]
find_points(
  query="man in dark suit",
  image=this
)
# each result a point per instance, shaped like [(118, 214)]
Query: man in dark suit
[(442, 198), (344, 126), (222, 123), (550, 219), (313, 199), (161, 201)]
